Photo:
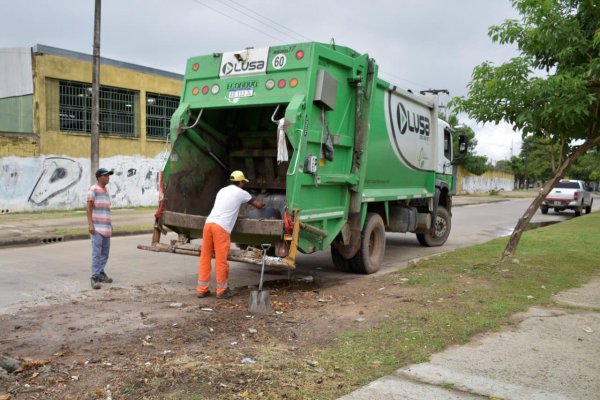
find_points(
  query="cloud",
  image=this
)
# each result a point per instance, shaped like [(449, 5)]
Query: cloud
[(496, 142)]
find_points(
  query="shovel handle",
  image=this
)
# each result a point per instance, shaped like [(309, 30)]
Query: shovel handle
[(265, 247)]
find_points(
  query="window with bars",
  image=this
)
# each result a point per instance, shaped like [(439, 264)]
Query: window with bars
[(159, 109), (117, 109)]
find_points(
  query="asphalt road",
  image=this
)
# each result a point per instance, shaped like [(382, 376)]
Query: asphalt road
[(57, 272)]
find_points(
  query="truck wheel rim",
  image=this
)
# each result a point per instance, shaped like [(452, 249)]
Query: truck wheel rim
[(440, 227)]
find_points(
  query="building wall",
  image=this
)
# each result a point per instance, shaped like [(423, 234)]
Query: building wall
[(16, 114), (489, 181), (20, 145), (50, 170), (70, 144), (61, 183)]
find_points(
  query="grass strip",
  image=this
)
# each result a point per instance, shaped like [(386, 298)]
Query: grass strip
[(454, 296)]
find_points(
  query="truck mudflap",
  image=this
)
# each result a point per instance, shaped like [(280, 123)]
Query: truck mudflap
[(251, 255)]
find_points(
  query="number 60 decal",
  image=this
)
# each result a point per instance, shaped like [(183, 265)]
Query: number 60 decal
[(279, 61)]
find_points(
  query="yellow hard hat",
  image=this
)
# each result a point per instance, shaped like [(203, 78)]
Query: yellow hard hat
[(237, 176)]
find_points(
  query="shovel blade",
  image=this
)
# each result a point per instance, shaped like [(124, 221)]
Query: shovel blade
[(259, 302)]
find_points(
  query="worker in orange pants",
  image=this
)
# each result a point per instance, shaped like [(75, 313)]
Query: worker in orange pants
[(216, 235), (214, 239)]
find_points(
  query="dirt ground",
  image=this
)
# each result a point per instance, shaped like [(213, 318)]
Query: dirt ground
[(162, 342)]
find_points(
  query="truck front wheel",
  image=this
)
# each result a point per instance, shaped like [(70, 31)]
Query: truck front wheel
[(440, 232), (372, 246)]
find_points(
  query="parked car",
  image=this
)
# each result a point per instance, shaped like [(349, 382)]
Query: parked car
[(568, 195)]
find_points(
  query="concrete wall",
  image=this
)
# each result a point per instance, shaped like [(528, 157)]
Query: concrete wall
[(489, 181), (61, 183)]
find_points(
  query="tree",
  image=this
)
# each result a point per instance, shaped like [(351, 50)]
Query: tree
[(587, 167), (470, 160), (551, 91)]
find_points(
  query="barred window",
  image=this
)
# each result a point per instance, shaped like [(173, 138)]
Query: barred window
[(117, 109), (159, 109)]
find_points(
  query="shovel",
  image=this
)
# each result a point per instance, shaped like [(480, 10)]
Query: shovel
[(259, 300)]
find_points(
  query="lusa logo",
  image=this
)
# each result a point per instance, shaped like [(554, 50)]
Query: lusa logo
[(246, 66), (411, 121)]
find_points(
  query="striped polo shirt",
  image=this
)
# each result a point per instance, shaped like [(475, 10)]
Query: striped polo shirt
[(101, 219)]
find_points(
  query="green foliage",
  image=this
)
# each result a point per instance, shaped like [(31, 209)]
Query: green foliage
[(470, 160), (586, 167), (551, 90)]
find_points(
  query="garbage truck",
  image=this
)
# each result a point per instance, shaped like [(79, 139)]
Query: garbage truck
[(338, 155)]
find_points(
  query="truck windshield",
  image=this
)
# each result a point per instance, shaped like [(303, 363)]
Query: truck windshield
[(567, 185)]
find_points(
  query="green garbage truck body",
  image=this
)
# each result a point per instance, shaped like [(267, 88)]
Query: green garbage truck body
[(338, 155)]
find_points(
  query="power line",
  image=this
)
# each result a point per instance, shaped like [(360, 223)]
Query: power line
[(299, 35), (237, 20), (420, 85), (259, 21)]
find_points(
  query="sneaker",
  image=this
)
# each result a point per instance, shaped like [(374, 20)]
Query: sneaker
[(95, 283), (226, 294), (104, 278), (202, 295)]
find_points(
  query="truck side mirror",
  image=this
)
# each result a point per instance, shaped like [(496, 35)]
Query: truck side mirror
[(462, 144)]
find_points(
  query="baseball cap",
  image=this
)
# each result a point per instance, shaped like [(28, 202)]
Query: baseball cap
[(103, 171), (238, 176)]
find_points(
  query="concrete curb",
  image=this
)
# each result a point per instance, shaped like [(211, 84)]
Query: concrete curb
[(52, 239)]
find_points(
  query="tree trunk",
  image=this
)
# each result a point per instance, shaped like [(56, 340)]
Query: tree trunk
[(513, 242)]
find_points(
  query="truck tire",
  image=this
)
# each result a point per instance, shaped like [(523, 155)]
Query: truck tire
[(441, 230), (544, 209), (588, 209), (372, 246), (578, 212), (340, 263)]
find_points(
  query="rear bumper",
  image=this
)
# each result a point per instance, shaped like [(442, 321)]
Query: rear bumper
[(561, 204), (250, 256)]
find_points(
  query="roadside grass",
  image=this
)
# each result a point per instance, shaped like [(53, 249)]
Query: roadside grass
[(451, 298)]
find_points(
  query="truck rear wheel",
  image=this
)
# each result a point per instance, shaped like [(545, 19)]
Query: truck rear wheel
[(440, 231), (372, 246), (588, 209), (544, 209), (341, 264)]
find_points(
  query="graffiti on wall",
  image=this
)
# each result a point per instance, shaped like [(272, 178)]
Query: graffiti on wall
[(61, 183)]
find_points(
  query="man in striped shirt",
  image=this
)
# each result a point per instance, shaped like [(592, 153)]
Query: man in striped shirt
[(99, 226)]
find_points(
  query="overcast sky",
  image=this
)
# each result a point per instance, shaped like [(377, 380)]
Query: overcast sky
[(418, 44)]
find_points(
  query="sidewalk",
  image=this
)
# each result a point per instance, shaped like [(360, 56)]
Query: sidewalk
[(44, 228), (553, 353)]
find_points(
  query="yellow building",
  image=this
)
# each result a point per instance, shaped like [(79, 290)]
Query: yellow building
[(45, 113), (45, 104)]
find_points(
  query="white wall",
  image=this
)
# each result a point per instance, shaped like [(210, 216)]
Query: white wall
[(16, 78), (475, 184), (61, 183)]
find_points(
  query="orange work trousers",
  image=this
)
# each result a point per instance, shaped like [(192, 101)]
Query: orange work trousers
[(215, 240)]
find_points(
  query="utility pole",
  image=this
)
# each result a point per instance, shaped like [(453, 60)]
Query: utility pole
[(95, 128)]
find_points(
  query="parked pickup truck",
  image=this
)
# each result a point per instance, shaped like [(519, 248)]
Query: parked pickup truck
[(568, 195)]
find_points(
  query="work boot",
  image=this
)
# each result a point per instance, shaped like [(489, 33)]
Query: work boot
[(104, 278), (95, 283), (202, 295), (226, 294)]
